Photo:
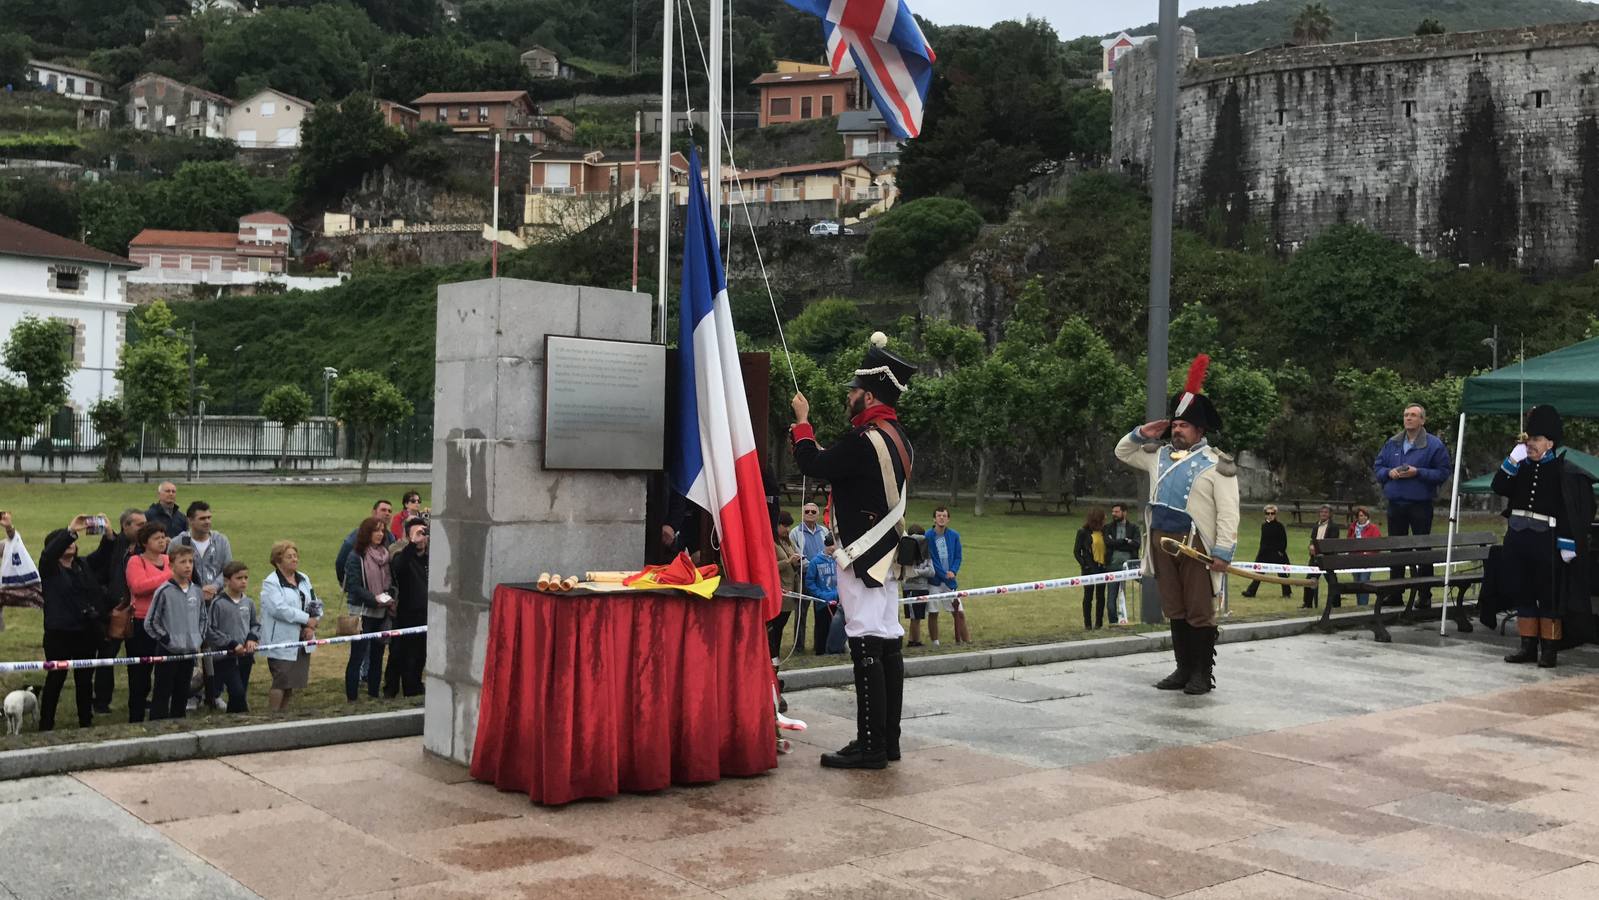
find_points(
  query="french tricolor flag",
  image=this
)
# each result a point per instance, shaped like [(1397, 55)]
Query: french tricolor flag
[(881, 40), (714, 464)]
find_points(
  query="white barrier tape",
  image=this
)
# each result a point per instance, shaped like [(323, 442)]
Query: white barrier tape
[(51, 665)]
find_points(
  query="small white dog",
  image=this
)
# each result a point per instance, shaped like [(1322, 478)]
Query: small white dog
[(20, 704)]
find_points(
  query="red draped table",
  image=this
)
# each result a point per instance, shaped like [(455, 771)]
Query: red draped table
[(588, 695)]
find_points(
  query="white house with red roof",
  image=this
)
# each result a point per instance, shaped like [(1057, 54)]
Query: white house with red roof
[(1113, 49), (52, 277)]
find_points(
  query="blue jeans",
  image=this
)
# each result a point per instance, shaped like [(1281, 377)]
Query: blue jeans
[(370, 652), (1361, 598)]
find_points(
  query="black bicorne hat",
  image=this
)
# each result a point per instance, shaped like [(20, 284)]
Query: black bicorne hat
[(1192, 406), (1544, 421), (883, 373)]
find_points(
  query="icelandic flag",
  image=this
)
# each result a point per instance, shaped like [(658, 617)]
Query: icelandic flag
[(881, 40), (714, 463)]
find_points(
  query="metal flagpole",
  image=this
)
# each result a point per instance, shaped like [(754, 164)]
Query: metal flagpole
[(638, 159), (1165, 180), (714, 76), (666, 164), (1454, 518), (494, 253)]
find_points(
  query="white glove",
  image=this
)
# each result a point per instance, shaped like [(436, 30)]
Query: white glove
[(1518, 454), (1568, 555)]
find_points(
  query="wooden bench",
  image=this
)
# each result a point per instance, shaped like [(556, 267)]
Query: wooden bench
[(1299, 509), (1018, 497), (1414, 550), (794, 489)]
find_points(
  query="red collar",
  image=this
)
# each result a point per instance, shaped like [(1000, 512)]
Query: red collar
[(876, 413)]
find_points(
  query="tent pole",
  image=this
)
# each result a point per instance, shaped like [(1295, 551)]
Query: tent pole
[(1454, 518)]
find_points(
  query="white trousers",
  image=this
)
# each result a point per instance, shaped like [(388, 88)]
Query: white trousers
[(869, 611)]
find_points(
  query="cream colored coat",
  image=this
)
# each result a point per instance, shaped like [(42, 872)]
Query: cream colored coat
[(1212, 504)]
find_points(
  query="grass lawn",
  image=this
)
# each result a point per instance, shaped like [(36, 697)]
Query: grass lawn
[(315, 517), (1006, 549)]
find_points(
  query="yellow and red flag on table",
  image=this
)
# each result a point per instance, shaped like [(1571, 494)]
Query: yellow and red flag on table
[(680, 573)]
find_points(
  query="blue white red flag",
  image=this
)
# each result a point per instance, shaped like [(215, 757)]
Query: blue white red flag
[(714, 463), (881, 40)]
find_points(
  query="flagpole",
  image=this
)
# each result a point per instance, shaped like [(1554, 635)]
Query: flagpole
[(714, 146), (666, 164), (494, 254), (638, 160)]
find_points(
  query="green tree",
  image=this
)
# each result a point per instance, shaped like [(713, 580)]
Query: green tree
[(913, 237), (367, 404), (154, 369), (289, 406), (15, 48), (40, 351), (312, 52), (825, 327), (1350, 293), (111, 421), (113, 212), (42, 203), (1428, 26), (204, 196), (340, 143), (1090, 111), (1313, 25)]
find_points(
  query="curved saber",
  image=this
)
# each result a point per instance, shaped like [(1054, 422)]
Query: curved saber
[(1178, 548)]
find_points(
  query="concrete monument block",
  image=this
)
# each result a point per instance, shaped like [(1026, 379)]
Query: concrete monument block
[(499, 516)]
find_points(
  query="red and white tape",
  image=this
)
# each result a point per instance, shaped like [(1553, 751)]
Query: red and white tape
[(51, 665)]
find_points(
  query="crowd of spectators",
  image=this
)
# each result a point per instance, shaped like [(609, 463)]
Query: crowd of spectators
[(164, 582)]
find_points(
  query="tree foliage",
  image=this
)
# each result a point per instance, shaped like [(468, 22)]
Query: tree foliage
[(39, 352), (154, 368), (289, 406), (912, 238), (109, 416), (311, 52), (340, 143), (1313, 25), (826, 327), (367, 403)]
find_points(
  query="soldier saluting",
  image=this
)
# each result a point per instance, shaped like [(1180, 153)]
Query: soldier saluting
[(1193, 499), (869, 469), (1551, 504)]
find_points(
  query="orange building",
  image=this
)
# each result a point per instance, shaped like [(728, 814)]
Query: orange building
[(799, 96)]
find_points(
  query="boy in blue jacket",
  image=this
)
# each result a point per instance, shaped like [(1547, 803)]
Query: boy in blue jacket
[(821, 582)]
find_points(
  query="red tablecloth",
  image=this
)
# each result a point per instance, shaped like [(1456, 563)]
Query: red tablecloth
[(586, 696)]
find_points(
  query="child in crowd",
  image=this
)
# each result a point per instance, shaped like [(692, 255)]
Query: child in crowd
[(234, 624), (175, 623)]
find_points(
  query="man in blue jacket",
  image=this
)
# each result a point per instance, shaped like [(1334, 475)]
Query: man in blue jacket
[(944, 549), (821, 582), (1410, 467)]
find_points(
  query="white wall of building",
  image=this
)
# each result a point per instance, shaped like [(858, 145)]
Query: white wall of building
[(26, 289)]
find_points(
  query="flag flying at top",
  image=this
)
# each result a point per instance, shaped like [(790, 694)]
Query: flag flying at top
[(881, 40), (714, 462)]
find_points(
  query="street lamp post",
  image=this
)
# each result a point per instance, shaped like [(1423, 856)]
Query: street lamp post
[(328, 374), (194, 430), (1492, 343)]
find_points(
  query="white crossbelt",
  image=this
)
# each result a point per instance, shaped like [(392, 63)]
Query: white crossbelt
[(1536, 517)]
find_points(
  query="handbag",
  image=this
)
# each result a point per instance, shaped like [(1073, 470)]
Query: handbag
[(348, 624), (120, 622)]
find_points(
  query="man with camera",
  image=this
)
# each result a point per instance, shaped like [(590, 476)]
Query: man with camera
[(1410, 467)]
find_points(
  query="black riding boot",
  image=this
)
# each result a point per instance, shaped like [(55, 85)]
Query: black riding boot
[(1180, 637), (1201, 679), (1547, 655), (868, 750), (1528, 652), (894, 695)]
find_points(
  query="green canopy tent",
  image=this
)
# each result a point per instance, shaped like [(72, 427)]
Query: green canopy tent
[(1568, 379)]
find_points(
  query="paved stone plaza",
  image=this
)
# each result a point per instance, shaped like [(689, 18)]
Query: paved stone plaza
[(1323, 767)]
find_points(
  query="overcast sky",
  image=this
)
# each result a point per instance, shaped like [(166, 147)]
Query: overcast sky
[(1071, 18)]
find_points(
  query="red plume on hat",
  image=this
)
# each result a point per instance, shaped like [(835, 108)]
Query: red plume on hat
[(1195, 383)]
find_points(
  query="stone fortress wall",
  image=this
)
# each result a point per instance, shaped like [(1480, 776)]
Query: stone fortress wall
[(1476, 147)]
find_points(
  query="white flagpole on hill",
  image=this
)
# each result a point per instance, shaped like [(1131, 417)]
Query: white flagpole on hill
[(638, 159), (666, 164)]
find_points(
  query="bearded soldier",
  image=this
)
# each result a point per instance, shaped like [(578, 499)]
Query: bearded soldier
[(1546, 541), (1193, 499), (869, 470)]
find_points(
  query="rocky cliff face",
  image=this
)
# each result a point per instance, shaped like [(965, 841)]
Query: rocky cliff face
[(979, 288)]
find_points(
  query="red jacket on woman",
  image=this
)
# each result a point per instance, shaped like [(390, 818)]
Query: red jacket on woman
[(144, 580), (1370, 531)]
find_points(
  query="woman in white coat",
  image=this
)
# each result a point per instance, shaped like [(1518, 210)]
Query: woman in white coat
[(290, 612)]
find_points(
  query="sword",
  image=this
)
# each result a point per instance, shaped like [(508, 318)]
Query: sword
[(1178, 548)]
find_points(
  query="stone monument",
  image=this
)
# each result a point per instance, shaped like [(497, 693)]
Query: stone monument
[(498, 515)]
